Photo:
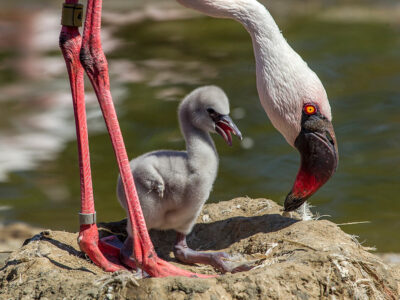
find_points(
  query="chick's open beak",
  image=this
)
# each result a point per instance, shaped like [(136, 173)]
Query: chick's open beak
[(224, 126), (319, 160)]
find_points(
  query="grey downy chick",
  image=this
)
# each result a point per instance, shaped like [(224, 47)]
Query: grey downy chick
[(174, 185)]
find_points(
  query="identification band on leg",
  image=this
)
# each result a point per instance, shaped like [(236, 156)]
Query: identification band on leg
[(87, 219), (72, 15)]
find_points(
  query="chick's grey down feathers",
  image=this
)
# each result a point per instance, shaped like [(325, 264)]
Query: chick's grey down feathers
[(173, 185)]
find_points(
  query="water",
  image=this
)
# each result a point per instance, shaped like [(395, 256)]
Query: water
[(153, 65)]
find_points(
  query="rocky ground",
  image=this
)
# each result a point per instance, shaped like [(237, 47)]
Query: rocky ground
[(12, 237), (292, 259)]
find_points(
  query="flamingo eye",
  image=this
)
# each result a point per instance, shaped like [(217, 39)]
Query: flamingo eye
[(309, 109), (210, 111)]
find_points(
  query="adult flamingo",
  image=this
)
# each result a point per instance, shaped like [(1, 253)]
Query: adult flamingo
[(290, 92)]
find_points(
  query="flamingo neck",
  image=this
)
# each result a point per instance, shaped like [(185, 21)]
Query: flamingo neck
[(284, 81), (257, 20), (282, 75)]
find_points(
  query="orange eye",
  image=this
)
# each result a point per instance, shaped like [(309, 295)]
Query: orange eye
[(309, 109)]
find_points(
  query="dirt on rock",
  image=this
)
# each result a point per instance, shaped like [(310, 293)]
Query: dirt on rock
[(292, 259), (12, 237)]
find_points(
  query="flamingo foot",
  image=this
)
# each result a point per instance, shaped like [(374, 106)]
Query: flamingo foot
[(160, 268), (154, 266), (88, 241)]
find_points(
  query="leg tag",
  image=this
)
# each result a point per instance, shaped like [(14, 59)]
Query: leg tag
[(72, 15)]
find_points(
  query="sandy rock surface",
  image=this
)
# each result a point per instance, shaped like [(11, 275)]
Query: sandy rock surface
[(12, 237), (292, 259)]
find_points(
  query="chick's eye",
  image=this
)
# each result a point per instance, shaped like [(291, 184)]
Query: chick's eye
[(309, 109), (210, 111)]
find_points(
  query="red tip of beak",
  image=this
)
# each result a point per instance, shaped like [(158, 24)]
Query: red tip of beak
[(319, 161), (305, 184)]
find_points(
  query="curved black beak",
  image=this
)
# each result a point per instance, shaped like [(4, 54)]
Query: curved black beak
[(319, 160), (224, 126)]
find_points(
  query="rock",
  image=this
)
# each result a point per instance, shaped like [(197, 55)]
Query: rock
[(292, 259)]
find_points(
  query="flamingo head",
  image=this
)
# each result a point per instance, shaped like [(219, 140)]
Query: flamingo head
[(318, 149)]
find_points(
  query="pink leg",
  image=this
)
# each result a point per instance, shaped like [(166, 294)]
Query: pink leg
[(70, 44), (95, 65)]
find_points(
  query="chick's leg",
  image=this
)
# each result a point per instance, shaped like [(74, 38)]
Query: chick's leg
[(219, 260)]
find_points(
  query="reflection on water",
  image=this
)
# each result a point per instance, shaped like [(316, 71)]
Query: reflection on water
[(154, 64)]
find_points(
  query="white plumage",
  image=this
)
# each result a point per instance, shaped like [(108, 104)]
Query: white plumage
[(284, 81)]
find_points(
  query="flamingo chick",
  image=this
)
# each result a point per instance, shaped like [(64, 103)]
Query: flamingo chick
[(173, 185)]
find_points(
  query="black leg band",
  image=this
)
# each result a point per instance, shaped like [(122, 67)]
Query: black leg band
[(72, 15), (87, 219)]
